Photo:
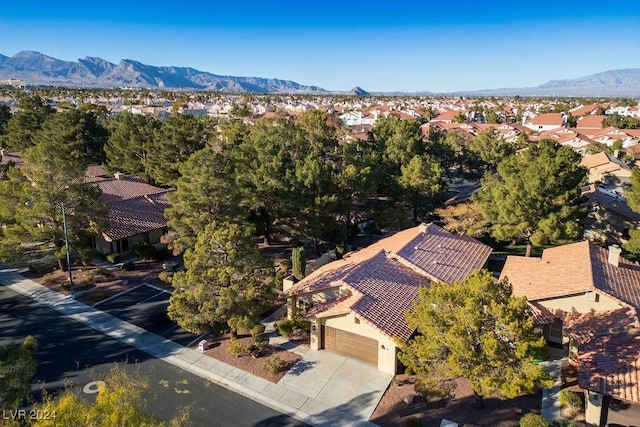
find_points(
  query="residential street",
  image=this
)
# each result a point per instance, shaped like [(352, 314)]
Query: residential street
[(71, 351)]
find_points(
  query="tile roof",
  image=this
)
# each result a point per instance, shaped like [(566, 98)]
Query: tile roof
[(383, 283), (601, 159), (135, 206), (125, 188), (135, 216), (612, 204), (591, 122), (541, 315), (610, 364), (572, 269), (547, 119)]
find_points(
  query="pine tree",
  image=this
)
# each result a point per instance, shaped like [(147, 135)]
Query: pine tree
[(476, 330), (298, 263), (226, 279)]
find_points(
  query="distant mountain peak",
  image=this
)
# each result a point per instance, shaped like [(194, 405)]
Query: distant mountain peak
[(358, 91)]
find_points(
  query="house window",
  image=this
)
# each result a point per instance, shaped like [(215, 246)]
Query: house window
[(555, 331)]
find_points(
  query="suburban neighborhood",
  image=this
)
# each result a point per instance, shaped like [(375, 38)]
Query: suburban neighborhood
[(296, 250)]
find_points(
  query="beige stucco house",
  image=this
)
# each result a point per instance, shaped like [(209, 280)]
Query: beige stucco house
[(589, 296), (356, 305)]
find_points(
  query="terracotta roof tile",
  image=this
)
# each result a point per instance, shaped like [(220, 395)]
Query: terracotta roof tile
[(116, 190), (610, 365), (541, 315), (384, 283), (572, 269), (134, 216)]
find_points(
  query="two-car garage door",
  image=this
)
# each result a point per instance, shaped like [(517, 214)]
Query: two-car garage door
[(350, 344)]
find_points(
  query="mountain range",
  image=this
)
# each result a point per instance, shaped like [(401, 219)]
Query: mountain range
[(38, 69)]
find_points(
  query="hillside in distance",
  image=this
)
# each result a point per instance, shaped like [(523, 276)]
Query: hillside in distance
[(39, 69), (613, 83)]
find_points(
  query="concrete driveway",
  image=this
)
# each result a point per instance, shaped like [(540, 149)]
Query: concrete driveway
[(342, 391)]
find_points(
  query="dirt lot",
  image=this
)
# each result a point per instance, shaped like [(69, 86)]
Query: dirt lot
[(392, 411)]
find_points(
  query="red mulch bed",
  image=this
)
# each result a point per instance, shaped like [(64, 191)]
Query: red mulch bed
[(218, 350), (392, 411)]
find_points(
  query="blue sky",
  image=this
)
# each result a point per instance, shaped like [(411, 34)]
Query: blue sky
[(380, 46)]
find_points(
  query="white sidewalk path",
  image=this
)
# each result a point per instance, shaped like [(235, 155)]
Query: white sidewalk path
[(322, 389)]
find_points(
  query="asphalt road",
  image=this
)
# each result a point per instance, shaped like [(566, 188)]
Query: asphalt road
[(71, 351), (146, 306)]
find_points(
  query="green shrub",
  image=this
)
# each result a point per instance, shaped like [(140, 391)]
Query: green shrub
[(104, 272), (257, 330), (285, 327), (533, 420), (240, 323), (43, 266), (274, 364), (86, 255), (236, 347), (408, 370), (285, 265), (48, 279), (570, 399), (144, 250), (113, 258), (127, 266), (65, 286), (261, 341)]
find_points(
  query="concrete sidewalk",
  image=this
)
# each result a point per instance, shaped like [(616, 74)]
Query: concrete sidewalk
[(550, 408), (347, 408)]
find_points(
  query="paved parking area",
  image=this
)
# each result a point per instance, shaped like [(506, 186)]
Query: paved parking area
[(146, 306)]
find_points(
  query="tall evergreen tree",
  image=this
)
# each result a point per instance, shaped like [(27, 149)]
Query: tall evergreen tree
[(227, 279), (173, 143), (476, 330), (535, 195), (206, 191), (23, 126), (130, 136)]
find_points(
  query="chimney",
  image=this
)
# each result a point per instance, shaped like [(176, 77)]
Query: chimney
[(614, 255), (118, 175), (422, 228)]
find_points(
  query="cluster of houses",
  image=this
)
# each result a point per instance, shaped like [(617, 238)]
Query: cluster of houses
[(584, 295)]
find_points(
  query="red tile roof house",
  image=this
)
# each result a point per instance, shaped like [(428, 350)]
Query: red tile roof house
[(136, 211), (356, 305), (588, 296)]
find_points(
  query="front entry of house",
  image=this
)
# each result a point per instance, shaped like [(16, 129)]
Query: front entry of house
[(349, 344)]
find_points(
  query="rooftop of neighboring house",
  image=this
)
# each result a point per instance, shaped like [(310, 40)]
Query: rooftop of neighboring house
[(547, 119), (135, 206), (592, 121), (603, 159), (382, 279), (610, 202), (574, 269)]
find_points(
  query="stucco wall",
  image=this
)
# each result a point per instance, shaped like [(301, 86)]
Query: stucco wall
[(386, 355), (580, 304)]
